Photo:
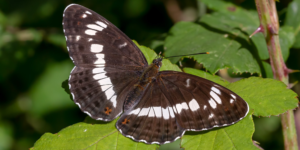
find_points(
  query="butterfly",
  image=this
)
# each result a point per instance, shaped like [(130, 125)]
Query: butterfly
[(112, 78)]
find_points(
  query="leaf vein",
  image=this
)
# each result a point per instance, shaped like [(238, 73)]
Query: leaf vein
[(229, 138), (100, 139)]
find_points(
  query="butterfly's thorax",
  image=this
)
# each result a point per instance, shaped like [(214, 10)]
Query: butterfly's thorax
[(149, 75)]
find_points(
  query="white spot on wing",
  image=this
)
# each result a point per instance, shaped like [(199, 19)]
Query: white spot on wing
[(99, 76), (212, 103), (105, 81), (114, 100), (188, 82), (233, 96), (171, 112), (184, 106), (216, 90), (94, 27), (77, 37), (216, 97), (109, 93), (136, 111), (105, 87), (204, 107), (231, 100), (84, 16), (165, 113), (210, 116), (151, 113), (96, 48), (98, 70), (157, 111), (90, 32), (194, 105), (144, 112), (88, 12), (100, 59), (101, 24), (179, 108), (122, 45)]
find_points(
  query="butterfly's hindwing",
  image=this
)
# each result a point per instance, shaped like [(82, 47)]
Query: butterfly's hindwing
[(178, 102), (152, 120), (107, 63), (201, 104)]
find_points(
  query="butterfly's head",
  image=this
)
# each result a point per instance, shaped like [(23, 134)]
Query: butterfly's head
[(157, 62)]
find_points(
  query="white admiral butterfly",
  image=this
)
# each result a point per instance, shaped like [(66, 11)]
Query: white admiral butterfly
[(111, 76)]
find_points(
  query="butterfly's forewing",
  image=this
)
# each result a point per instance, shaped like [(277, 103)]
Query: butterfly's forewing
[(107, 62), (177, 102)]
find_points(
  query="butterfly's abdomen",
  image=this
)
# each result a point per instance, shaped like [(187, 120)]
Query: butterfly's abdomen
[(149, 75)]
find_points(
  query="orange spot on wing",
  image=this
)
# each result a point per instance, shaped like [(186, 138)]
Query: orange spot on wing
[(107, 110), (125, 121)]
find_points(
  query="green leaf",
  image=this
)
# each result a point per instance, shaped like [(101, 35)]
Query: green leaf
[(267, 69), (292, 19), (243, 20), (206, 75), (43, 100), (225, 52), (89, 136), (57, 39), (246, 20), (234, 137), (265, 96)]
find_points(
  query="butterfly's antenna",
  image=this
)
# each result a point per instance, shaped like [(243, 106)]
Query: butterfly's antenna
[(159, 56), (188, 54)]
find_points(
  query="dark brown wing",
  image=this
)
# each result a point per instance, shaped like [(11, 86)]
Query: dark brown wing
[(107, 62), (200, 104), (152, 120), (177, 102)]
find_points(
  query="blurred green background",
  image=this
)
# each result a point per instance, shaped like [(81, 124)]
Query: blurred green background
[(34, 61)]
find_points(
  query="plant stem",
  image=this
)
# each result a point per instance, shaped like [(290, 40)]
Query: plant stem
[(269, 26)]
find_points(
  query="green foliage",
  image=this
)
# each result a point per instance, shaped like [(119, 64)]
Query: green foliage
[(89, 136), (40, 90), (265, 96), (223, 138), (189, 38), (292, 19)]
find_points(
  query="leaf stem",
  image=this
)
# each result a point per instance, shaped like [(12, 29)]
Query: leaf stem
[(269, 22)]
